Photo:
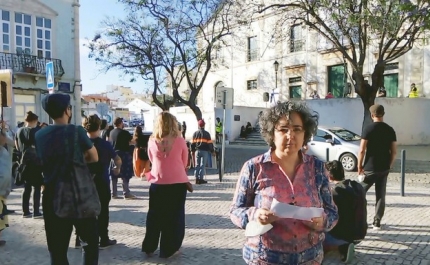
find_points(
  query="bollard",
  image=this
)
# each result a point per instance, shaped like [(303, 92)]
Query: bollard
[(327, 155), (402, 172)]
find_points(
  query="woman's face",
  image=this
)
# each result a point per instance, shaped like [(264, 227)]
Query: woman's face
[(289, 134)]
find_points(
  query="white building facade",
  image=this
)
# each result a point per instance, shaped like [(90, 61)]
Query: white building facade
[(306, 63), (33, 33)]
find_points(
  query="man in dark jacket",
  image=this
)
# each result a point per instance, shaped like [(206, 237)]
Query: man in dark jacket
[(345, 193), (201, 147)]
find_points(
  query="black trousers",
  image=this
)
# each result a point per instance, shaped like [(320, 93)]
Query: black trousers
[(165, 222), (59, 230), (103, 219), (26, 194), (380, 181)]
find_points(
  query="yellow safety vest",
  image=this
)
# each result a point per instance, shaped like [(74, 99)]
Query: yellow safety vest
[(218, 127), (413, 94)]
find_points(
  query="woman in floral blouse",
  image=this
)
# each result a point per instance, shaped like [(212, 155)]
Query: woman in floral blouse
[(288, 175)]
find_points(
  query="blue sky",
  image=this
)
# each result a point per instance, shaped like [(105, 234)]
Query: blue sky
[(92, 12)]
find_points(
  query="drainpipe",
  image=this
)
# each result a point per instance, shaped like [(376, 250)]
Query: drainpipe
[(77, 80)]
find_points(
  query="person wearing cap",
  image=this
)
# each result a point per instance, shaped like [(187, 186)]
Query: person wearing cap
[(51, 149), (201, 148), (376, 157), (121, 141)]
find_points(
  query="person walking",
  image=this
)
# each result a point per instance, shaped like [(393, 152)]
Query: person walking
[(141, 163), (52, 150), (24, 142), (201, 148), (165, 221), (376, 157), (100, 170), (121, 140)]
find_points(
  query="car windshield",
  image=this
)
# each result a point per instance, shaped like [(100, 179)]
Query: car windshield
[(345, 134)]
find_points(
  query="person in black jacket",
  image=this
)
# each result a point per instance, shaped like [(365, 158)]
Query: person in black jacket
[(342, 236), (24, 140)]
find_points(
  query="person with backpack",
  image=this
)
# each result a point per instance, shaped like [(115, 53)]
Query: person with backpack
[(100, 170), (69, 197), (30, 168), (350, 199)]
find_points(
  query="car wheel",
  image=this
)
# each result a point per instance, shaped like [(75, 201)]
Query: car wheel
[(349, 162)]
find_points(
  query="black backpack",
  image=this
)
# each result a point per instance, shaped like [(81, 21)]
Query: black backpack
[(30, 166)]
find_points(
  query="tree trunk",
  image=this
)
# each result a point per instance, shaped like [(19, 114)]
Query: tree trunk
[(191, 102), (367, 103)]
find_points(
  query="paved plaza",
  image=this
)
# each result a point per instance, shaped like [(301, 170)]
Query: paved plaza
[(211, 238)]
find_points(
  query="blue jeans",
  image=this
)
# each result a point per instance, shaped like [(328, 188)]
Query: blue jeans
[(331, 241), (201, 160)]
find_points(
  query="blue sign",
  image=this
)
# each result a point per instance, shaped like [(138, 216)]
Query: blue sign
[(108, 118), (50, 76)]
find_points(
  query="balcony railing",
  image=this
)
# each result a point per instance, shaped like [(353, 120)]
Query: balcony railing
[(30, 64)]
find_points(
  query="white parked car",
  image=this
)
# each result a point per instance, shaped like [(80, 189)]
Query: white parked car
[(343, 145)]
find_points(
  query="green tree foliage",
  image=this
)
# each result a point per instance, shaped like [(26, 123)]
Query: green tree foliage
[(389, 28), (168, 42)]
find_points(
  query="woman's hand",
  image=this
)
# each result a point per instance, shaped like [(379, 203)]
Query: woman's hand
[(316, 224), (265, 216)]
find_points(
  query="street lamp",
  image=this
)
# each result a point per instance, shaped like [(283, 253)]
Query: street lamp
[(276, 65)]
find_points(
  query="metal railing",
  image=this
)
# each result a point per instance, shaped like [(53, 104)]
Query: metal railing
[(24, 63)]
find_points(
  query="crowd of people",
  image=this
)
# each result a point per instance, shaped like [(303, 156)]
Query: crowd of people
[(78, 168)]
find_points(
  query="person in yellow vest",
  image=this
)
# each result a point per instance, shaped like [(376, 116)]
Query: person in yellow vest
[(414, 91), (218, 131)]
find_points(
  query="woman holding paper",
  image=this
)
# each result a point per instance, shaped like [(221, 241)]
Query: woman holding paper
[(285, 176)]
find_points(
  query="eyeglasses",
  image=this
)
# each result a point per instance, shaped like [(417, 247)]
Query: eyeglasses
[(286, 130)]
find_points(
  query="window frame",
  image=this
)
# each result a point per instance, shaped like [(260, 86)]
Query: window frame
[(297, 43), (251, 84), (252, 52), (3, 22)]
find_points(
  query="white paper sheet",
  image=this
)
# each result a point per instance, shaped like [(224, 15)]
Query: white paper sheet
[(284, 210), (255, 228)]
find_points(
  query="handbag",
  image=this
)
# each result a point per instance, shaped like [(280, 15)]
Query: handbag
[(75, 191)]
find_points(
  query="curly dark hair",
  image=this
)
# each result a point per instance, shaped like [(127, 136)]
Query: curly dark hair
[(335, 169), (270, 117), (92, 123)]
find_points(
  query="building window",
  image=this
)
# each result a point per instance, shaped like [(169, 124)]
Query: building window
[(251, 84), (23, 33), (295, 87), (5, 31), (44, 38), (296, 92), (296, 39), (252, 49)]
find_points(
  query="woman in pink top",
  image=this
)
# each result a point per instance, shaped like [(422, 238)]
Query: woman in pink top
[(168, 154)]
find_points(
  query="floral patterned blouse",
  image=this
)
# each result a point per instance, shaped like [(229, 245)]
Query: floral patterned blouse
[(290, 241)]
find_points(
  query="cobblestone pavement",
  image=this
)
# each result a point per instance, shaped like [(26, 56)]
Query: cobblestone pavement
[(212, 239)]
